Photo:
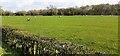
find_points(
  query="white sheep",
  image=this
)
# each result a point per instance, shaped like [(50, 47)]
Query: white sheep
[(28, 19), (60, 16)]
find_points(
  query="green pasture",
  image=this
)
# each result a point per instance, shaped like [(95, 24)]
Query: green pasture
[(97, 32)]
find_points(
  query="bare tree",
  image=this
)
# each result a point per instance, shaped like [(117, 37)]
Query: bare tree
[(52, 10), (1, 11)]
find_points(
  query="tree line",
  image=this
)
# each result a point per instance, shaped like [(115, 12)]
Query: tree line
[(101, 9)]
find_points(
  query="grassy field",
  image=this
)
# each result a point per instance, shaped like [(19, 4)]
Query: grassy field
[(97, 32)]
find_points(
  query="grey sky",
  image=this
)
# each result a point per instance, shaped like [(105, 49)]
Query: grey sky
[(15, 5)]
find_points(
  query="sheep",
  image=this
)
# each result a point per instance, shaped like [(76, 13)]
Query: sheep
[(28, 19), (35, 16), (60, 16)]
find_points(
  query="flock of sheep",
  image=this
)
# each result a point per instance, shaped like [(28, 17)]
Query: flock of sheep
[(28, 19)]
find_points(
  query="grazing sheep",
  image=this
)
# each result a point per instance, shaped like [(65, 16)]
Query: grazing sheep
[(35, 16), (101, 15), (28, 19), (60, 16)]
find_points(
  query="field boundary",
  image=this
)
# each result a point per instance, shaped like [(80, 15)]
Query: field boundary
[(28, 44)]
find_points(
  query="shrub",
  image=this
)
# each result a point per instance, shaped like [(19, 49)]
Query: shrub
[(31, 44)]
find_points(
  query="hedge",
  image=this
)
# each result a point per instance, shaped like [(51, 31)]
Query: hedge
[(31, 44)]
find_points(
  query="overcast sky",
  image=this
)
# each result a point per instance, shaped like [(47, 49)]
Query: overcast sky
[(15, 5)]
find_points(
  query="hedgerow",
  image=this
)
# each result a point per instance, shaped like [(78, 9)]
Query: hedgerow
[(31, 44)]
